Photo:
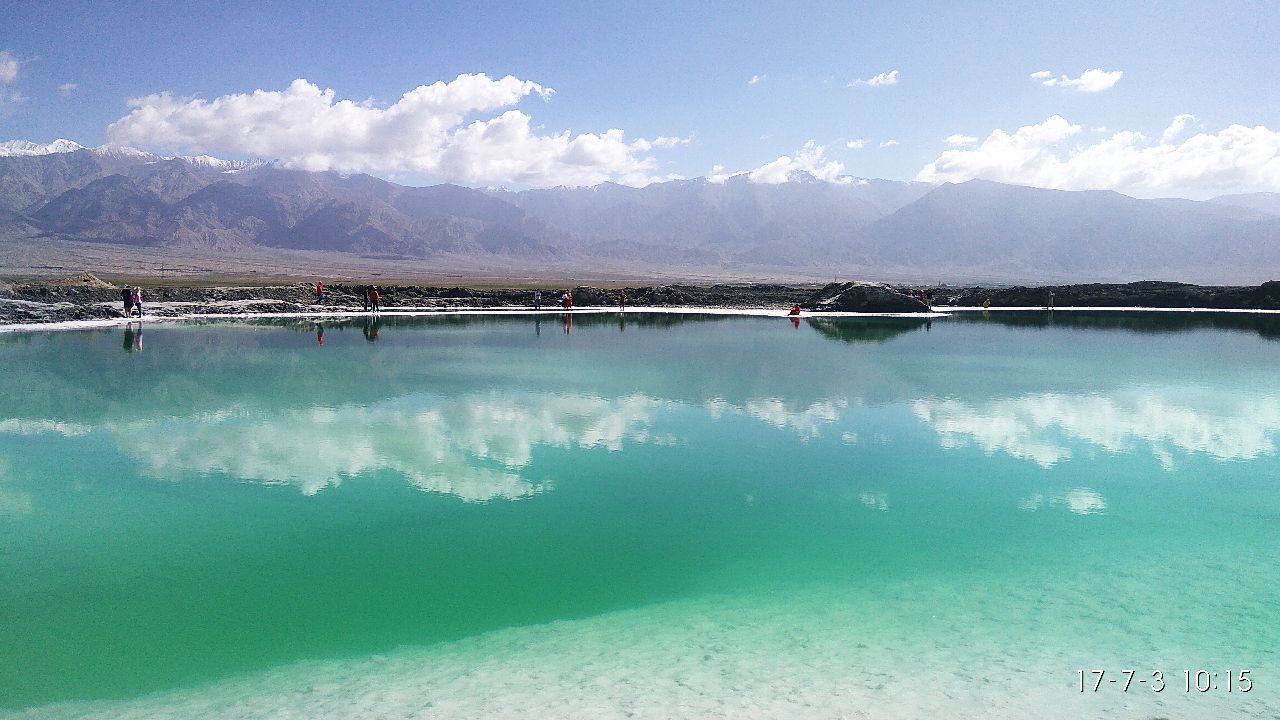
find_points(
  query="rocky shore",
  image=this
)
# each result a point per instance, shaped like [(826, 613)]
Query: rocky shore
[(1150, 294), (85, 297)]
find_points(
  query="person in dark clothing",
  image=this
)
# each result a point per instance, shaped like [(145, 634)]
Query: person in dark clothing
[(126, 296), (364, 295)]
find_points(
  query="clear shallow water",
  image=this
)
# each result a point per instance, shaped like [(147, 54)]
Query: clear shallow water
[(671, 516)]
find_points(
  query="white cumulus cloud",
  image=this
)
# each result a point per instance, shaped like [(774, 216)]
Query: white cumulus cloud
[(880, 80), (67, 88), (425, 131), (660, 142), (889, 143), (1094, 80), (856, 144), (809, 159), (1175, 128), (8, 67), (1235, 158), (756, 80), (959, 140)]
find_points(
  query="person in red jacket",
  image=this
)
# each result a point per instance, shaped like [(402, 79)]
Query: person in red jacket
[(373, 299)]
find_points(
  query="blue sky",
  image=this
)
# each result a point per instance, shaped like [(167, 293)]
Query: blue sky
[(679, 72)]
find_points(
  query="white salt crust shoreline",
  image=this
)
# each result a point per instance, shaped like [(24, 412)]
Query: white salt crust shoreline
[(743, 312)]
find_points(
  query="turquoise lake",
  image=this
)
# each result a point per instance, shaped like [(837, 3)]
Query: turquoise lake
[(645, 516)]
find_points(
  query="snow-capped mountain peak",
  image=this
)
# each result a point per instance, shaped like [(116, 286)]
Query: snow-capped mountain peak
[(219, 164), (16, 148), (123, 151)]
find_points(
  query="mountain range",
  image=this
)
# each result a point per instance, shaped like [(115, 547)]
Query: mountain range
[(977, 230)]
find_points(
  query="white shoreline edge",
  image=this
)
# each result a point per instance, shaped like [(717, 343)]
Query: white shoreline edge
[(746, 312)]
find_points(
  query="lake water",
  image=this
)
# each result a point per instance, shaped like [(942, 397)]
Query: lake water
[(651, 516)]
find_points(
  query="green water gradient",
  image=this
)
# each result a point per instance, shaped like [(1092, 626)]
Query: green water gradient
[(223, 499)]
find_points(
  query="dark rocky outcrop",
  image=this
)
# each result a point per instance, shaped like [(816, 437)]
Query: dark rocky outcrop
[(863, 297), (1151, 294)]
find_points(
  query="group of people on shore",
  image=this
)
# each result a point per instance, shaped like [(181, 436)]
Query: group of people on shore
[(132, 299), (566, 300), (369, 295)]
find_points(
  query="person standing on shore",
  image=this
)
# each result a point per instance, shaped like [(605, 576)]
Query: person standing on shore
[(126, 296), (622, 300), (373, 298), (537, 299), (364, 296), (319, 291), (137, 300)]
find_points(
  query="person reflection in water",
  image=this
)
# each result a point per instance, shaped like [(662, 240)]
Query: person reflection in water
[(568, 324), (371, 329), (132, 338), (320, 335), (795, 323)]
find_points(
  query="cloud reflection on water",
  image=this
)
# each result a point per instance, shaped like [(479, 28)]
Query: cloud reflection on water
[(1036, 427), (476, 447), (481, 447), (806, 423), (1080, 501), (16, 426), (473, 447)]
